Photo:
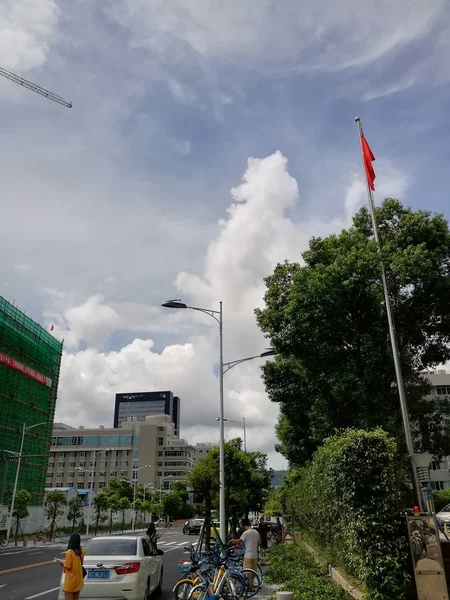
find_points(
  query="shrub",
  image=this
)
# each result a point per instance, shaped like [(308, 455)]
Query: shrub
[(441, 499), (349, 501), (296, 571)]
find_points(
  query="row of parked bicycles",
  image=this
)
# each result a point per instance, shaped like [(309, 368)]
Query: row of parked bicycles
[(218, 573)]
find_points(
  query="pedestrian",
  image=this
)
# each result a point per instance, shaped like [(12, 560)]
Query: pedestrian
[(250, 538), (263, 530), (151, 532), (73, 568), (279, 530)]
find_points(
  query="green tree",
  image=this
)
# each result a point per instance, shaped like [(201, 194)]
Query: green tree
[(204, 481), (258, 483), (100, 506), (441, 499), (54, 503), (75, 511), (124, 505), (21, 503), (171, 504), (121, 488), (327, 321), (113, 507), (273, 506)]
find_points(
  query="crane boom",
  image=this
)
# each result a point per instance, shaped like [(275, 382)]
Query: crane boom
[(34, 88)]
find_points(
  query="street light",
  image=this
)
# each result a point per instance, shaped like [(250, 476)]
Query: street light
[(25, 430), (91, 491), (242, 424), (217, 315), (135, 471)]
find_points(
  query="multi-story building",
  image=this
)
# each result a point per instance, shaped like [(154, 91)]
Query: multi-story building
[(143, 404), (118, 453), (30, 359), (440, 386), (201, 449)]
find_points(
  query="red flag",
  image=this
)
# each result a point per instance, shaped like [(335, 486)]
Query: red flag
[(368, 160), (52, 328)]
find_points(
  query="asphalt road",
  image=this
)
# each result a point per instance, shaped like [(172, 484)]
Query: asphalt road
[(29, 573)]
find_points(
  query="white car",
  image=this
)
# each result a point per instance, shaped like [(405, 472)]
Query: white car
[(120, 567)]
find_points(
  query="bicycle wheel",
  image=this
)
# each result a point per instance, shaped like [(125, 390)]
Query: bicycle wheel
[(198, 592), (235, 587), (182, 588), (253, 582)]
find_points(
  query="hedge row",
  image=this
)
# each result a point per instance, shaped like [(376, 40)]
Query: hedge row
[(349, 500), (296, 571)]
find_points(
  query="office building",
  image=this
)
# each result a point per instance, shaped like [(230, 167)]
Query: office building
[(143, 404), (119, 454), (440, 386), (201, 449), (30, 359)]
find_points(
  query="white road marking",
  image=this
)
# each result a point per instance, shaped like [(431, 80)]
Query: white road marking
[(3, 585), (42, 593), (169, 543)]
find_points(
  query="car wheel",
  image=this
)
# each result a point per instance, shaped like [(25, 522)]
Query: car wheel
[(158, 589)]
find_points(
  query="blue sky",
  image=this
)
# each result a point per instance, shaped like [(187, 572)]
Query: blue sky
[(124, 200)]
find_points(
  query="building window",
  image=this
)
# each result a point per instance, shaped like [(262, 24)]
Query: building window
[(71, 464), (70, 474), (80, 475), (160, 428), (82, 464), (124, 452), (113, 452), (160, 441), (69, 484), (103, 463), (160, 464), (160, 453), (159, 474), (48, 484), (59, 485), (101, 484), (123, 473), (114, 463), (81, 453), (51, 465), (49, 475), (102, 474), (72, 453), (443, 390), (113, 474), (60, 474), (62, 454), (80, 485), (124, 463), (61, 464)]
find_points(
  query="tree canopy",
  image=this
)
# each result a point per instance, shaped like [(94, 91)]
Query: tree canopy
[(326, 319)]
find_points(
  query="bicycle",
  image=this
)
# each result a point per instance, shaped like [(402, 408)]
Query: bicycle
[(4, 541)]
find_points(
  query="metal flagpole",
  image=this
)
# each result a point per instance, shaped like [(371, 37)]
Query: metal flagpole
[(392, 333)]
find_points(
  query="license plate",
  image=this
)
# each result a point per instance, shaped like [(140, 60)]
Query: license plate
[(98, 575)]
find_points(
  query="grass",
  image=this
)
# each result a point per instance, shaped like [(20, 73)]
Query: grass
[(296, 571)]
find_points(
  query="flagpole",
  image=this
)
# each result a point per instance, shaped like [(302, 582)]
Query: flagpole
[(392, 333)]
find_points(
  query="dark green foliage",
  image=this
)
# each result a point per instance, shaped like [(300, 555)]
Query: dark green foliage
[(295, 570), (441, 499), (349, 500), (327, 321)]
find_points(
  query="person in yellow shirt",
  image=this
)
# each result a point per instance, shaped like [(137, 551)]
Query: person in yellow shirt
[(73, 568)]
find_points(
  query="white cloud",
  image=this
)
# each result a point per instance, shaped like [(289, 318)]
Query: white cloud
[(255, 235), (309, 35), (26, 31)]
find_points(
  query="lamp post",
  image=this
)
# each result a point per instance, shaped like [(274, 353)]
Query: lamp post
[(91, 489), (242, 424), (135, 472), (25, 430), (217, 315)]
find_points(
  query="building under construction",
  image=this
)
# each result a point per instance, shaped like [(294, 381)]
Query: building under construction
[(30, 360)]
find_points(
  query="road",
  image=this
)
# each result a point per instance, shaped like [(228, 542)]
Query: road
[(29, 573)]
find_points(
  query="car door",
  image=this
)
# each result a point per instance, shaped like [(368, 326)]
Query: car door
[(151, 564)]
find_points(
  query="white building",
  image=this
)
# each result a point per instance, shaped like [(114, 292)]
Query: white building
[(440, 472)]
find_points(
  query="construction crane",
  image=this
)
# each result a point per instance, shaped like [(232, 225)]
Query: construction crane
[(34, 88)]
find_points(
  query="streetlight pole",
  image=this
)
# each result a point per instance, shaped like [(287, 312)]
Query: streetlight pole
[(91, 489), (223, 368), (133, 517), (242, 424), (25, 429)]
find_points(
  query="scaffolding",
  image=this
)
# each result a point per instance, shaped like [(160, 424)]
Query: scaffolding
[(30, 359)]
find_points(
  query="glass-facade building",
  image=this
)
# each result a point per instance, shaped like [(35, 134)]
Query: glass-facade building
[(143, 404)]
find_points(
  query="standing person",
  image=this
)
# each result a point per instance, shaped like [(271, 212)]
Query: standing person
[(279, 530), (250, 538), (73, 568), (262, 530), (151, 532)]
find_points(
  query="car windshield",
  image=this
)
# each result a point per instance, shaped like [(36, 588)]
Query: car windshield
[(111, 547), (446, 508)]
